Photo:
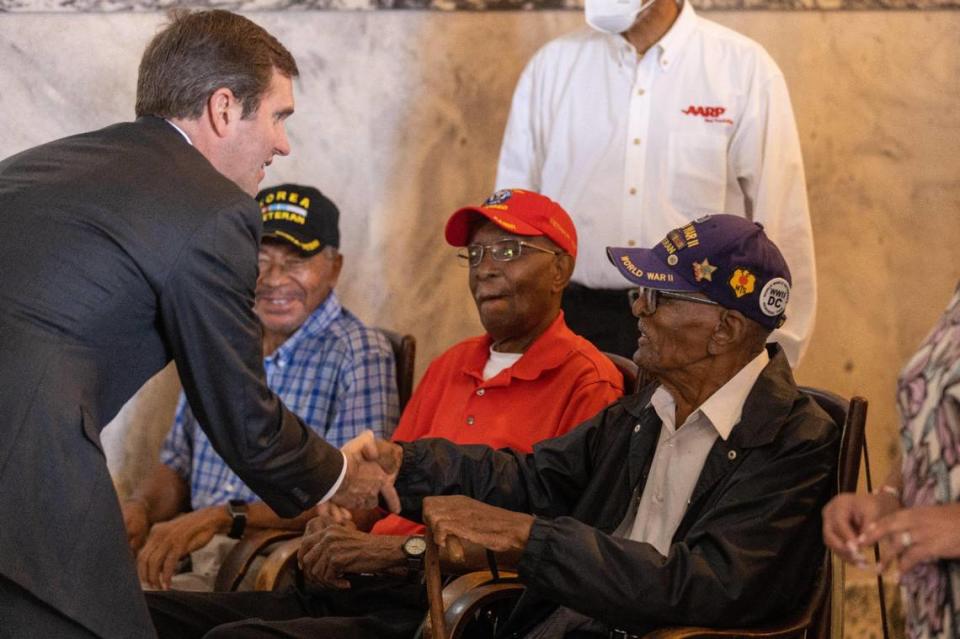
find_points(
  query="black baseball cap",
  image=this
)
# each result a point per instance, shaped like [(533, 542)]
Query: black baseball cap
[(300, 215)]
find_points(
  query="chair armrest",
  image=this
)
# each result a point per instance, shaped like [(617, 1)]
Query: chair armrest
[(237, 562), (467, 594), (280, 566)]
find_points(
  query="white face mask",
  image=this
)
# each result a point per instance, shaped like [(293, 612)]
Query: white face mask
[(614, 16)]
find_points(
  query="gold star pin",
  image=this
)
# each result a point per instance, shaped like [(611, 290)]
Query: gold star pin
[(703, 270)]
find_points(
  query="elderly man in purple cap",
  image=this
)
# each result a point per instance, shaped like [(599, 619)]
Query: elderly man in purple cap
[(694, 501)]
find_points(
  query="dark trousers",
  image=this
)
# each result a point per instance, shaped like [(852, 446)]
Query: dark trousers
[(603, 317), (374, 608), (23, 616)]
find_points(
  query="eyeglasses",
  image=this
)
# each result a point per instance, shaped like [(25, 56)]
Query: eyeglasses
[(502, 251), (651, 296)]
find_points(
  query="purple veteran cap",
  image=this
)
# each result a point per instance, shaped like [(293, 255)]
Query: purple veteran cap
[(726, 257)]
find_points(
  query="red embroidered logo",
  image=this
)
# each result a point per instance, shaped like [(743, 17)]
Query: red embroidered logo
[(708, 113)]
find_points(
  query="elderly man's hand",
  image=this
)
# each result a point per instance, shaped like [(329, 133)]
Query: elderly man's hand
[(329, 514), (847, 516), (372, 467), (333, 551), (171, 540), (455, 518)]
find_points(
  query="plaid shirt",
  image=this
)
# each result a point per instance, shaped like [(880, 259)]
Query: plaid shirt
[(335, 373)]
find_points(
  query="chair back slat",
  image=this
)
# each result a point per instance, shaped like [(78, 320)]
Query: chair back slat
[(628, 369), (405, 355)]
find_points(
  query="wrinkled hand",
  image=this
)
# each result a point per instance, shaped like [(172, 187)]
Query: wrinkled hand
[(171, 540), (917, 535), (372, 467), (136, 522), (329, 514), (847, 516), (333, 551), (457, 518)]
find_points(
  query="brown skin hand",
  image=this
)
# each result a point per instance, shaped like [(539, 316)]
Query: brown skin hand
[(456, 519), (333, 551)]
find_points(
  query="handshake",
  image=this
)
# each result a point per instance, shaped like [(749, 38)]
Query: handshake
[(372, 467)]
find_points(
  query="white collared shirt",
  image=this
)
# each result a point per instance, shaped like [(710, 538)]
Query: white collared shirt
[(180, 131), (681, 453), (634, 146)]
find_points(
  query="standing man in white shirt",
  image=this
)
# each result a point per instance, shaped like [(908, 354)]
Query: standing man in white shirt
[(651, 119)]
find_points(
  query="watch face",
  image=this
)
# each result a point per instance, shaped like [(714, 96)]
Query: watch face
[(415, 546)]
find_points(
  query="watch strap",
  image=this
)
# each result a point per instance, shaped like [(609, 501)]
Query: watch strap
[(238, 518)]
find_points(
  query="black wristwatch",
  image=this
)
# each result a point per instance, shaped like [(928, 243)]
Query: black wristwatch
[(237, 508), (414, 547)]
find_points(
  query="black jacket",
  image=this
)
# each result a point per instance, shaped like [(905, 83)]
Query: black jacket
[(123, 249), (746, 550)]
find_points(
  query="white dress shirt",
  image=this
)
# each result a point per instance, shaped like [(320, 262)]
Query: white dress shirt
[(634, 146), (681, 453)]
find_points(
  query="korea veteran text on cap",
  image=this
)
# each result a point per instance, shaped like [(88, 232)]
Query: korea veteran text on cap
[(300, 215)]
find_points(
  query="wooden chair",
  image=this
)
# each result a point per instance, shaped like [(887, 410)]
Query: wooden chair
[(479, 600), (405, 353), (277, 572), (628, 369)]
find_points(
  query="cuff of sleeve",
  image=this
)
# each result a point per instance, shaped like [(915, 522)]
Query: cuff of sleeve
[(412, 482), (336, 485), (537, 550)]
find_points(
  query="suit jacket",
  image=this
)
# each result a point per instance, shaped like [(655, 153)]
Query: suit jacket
[(123, 249), (747, 548)]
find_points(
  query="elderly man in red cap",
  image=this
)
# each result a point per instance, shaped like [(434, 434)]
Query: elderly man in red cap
[(528, 378)]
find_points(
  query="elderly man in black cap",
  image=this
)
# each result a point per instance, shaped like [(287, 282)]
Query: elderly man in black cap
[(327, 367), (696, 500)]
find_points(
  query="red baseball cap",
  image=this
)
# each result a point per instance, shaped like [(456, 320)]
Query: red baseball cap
[(521, 213)]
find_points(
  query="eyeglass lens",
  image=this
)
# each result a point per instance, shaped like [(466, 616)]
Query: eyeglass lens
[(502, 251)]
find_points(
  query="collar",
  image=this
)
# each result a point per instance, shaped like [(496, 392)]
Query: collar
[(764, 411), (724, 407), (666, 48), (180, 131), (318, 321), (548, 351), (679, 33)]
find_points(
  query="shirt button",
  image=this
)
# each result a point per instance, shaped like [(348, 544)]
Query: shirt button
[(631, 243), (470, 420), (658, 498), (633, 191), (636, 140), (636, 428), (732, 455), (480, 392), (228, 488), (640, 91)]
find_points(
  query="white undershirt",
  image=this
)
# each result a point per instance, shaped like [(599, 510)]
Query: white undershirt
[(499, 362)]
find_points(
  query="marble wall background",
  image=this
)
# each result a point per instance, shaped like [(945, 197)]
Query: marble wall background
[(399, 118)]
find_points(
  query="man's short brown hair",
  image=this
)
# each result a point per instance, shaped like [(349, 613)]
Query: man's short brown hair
[(198, 53)]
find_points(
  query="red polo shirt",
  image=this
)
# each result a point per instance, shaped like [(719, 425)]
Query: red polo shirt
[(560, 381)]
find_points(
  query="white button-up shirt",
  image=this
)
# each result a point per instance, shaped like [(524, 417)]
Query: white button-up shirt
[(681, 453), (634, 146)]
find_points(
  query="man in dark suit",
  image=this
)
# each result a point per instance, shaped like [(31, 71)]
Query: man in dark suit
[(122, 249)]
